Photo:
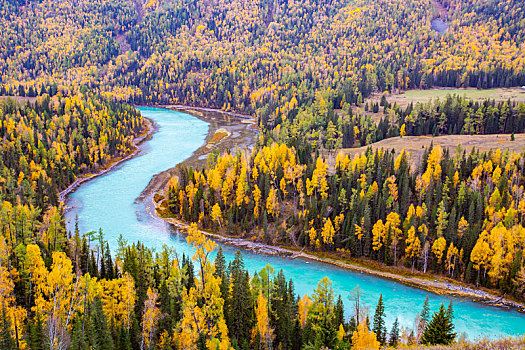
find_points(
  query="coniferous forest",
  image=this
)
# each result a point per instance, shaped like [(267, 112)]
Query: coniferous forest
[(320, 78)]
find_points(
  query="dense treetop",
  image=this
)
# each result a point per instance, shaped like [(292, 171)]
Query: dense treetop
[(268, 57)]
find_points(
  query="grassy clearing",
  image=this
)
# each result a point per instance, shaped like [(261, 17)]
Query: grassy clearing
[(415, 145), (413, 96)]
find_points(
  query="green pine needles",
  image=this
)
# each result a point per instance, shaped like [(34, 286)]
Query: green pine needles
[(440, 330)]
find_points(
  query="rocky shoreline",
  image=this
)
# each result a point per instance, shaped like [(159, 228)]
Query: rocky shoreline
[(436, 286)]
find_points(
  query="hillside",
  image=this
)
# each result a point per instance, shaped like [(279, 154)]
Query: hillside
[(357, 107), (259, 56)]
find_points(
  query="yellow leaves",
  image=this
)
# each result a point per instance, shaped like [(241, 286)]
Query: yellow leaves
[(240, 195), (378, 235), (193, 321), (272, 203), (392, 189), (16, 315), (358, 231), (481, 252), (452, 254), (35, 266), (150, 317), (20, 178), (363, 339), (257, 201), (216, 213), (402, 131), (462, 226), (118, 299), (282, 186), (438, 247), (302, 309), (262, 327), (341, 333), (455, 179), (203, 304), (200, 29), (328, 231), (312, 234), (496, 174), (413, 244), (198, 241), (318, 181)]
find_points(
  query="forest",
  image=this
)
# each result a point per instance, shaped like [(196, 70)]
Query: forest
[(71, 74), (79, 296), (66, 290), (459, 215), (269, 58)]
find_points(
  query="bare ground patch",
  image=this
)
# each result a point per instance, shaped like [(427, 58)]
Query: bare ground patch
[(405, 98), (416, 145)]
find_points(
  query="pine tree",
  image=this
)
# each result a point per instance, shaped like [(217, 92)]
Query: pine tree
[(379, 321), (281, 313), (124, 341), (339, 312), (100, 326), (78, 341), (7, 341), (441, 329), (240, 311), (297, 336), (36, 333), (394, 334), (423, 319), (110, 270)]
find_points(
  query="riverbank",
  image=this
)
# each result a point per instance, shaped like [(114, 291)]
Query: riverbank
[(233, 125), (137, 142), (226, 131), (434, 284)]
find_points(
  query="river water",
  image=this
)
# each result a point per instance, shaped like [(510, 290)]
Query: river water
[(108, 202)]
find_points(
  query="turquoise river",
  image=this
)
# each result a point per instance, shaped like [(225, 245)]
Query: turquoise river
[(109, 202)]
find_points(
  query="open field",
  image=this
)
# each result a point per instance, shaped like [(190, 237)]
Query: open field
[(416, 144), (413, 96), (404, 98)]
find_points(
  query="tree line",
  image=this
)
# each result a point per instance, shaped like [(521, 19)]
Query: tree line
[(80, 296), (259, 59), (459, 215)]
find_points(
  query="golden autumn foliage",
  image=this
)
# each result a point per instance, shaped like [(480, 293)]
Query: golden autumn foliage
[(364, 339)]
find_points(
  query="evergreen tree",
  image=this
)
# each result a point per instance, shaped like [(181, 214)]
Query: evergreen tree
[(98, 335), (7, 342), (379, 321), (423, 319), (124, 341), (297, 336), (240, 307), (282, 311), (339, 312), (440, 330), (394, 334), (36, 333)]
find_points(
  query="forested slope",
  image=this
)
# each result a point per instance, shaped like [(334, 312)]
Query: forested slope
[(264, 57)]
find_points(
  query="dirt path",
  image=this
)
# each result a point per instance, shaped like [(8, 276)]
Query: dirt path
[(443, 12)]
